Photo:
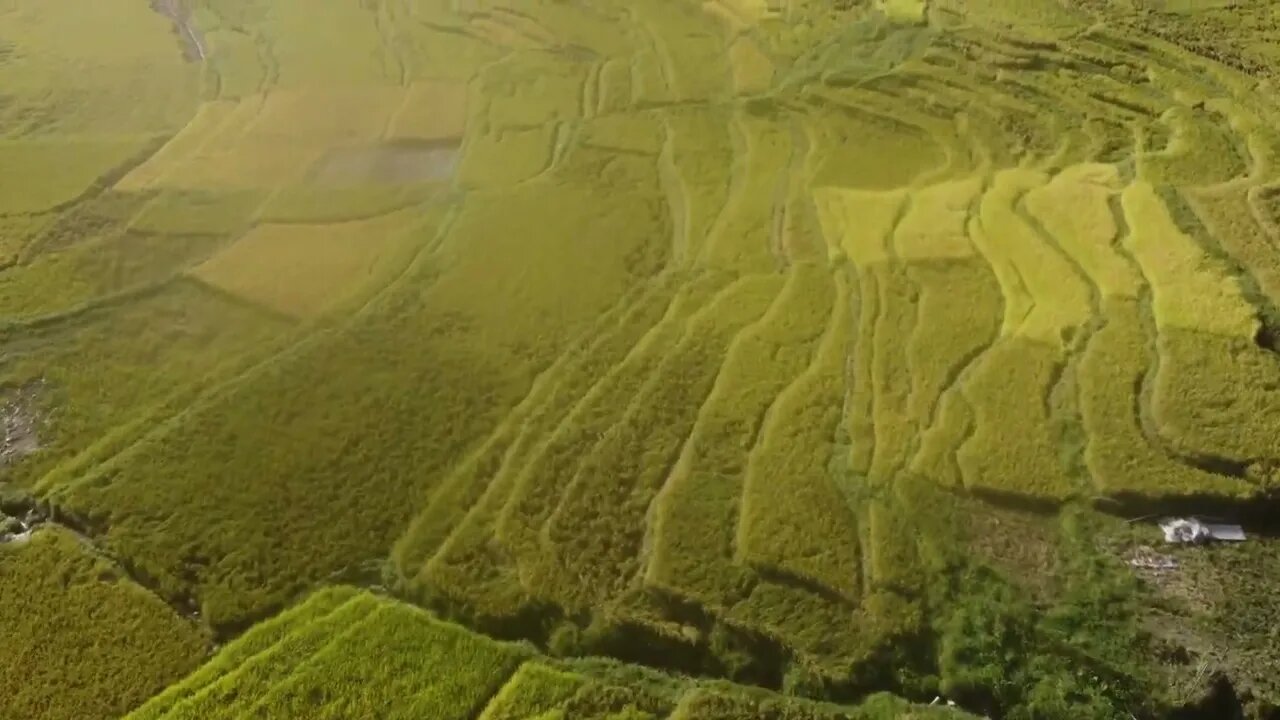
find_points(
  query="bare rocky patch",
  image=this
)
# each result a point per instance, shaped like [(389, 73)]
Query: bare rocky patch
[(193, 46), (20, 420), (388, 163)]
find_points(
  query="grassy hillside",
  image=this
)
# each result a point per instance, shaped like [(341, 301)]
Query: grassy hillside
[(347, 653), (818, 347)]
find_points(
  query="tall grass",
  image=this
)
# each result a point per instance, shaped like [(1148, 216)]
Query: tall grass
[(81, 639)]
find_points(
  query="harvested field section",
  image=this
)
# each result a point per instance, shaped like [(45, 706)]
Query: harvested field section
[(386, 165)]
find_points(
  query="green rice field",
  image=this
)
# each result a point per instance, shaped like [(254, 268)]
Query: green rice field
[(638, 359)]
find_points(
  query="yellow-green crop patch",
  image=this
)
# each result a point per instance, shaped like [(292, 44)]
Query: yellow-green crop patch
[(387, 659), (41, 175), (304, 270), (696, 334), (69, 613), (695, 513), (138, 84)]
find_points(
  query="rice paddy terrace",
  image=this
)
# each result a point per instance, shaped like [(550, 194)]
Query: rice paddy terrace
[(654, 359)]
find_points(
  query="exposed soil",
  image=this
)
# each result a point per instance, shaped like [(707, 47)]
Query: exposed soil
[(390, 163), (20, 422), (17, 529), (194, 49)]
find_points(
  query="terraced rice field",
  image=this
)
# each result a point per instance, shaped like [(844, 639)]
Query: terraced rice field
[(644, 359), (349, 653)]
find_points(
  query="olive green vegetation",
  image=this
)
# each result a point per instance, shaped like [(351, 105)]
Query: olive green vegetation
[(81, 639), (347, 653), (738, 338)]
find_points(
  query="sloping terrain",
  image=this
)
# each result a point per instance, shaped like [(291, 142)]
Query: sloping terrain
[(815, 346), (347, 653)]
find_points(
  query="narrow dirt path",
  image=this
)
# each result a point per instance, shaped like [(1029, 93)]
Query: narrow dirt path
[(181, 17)]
